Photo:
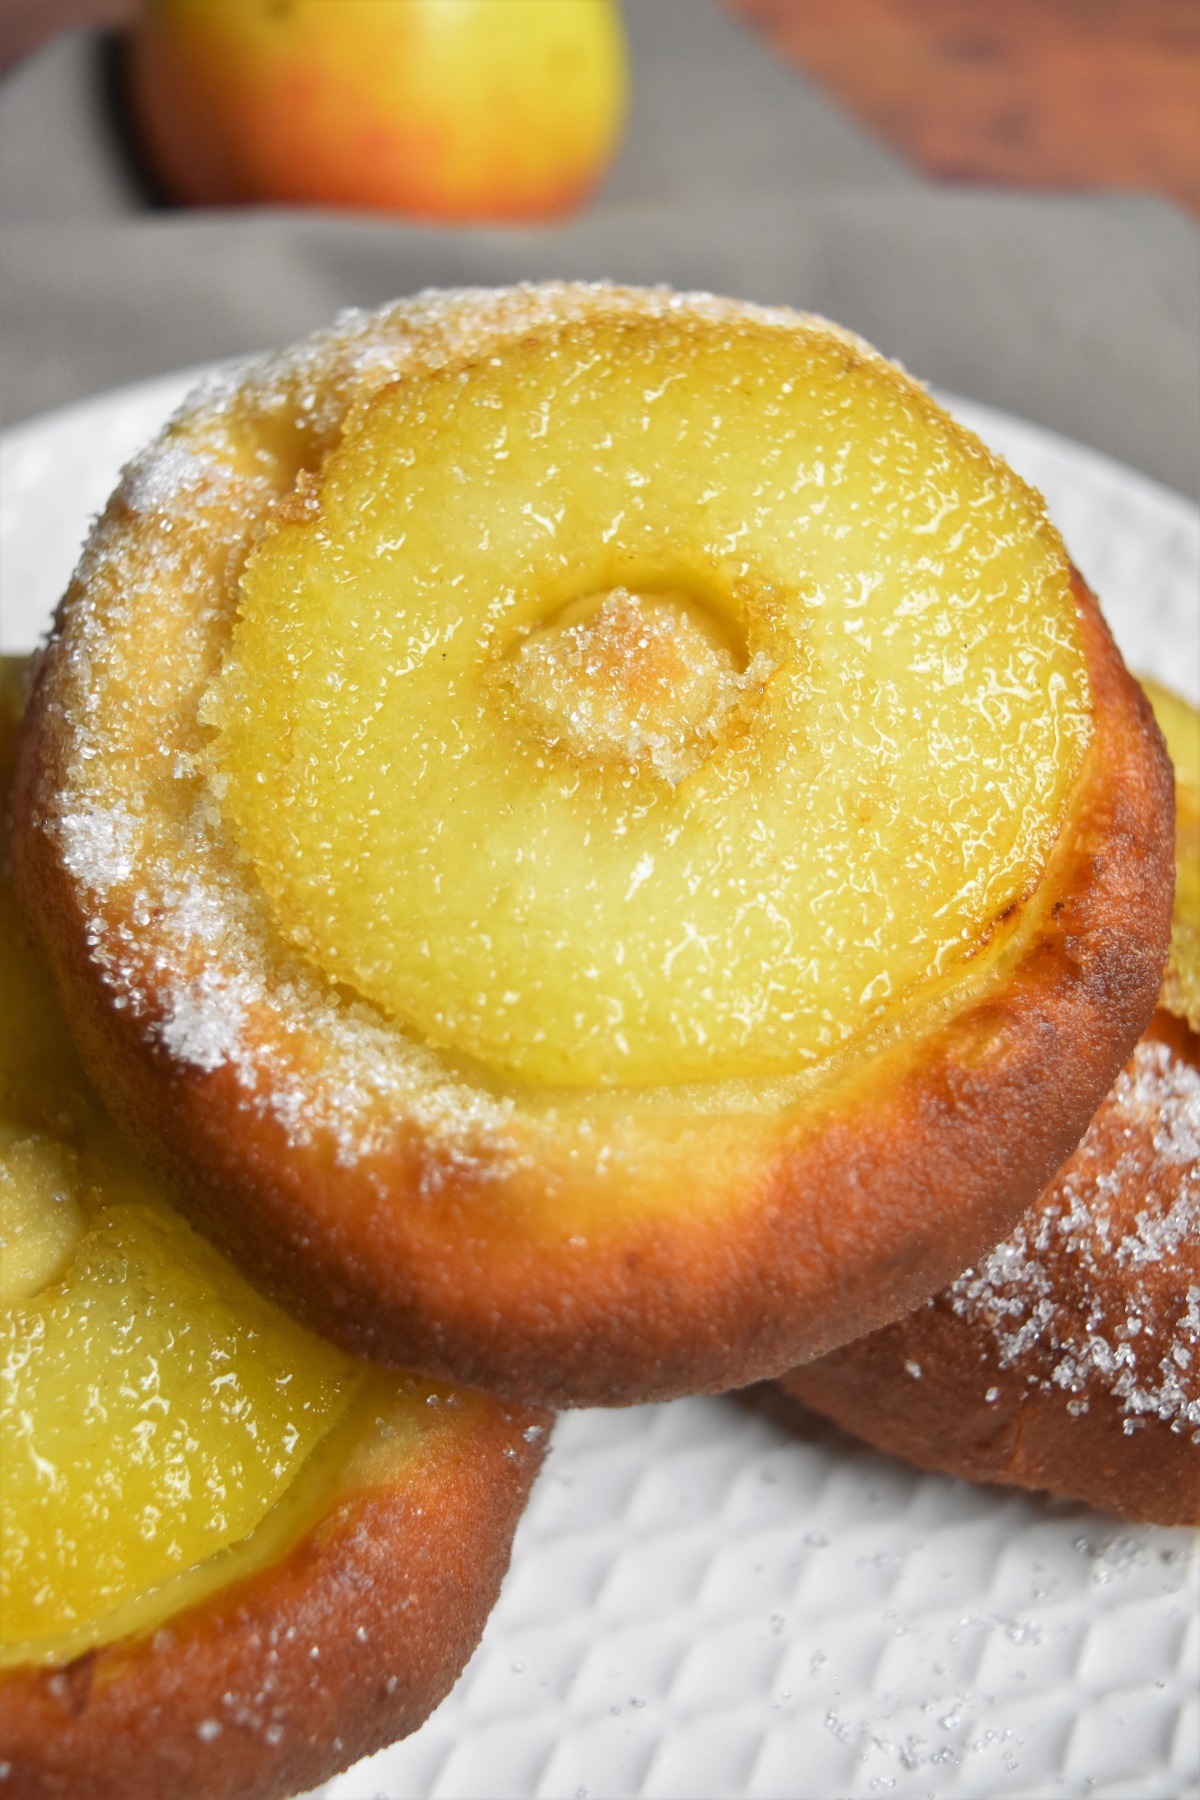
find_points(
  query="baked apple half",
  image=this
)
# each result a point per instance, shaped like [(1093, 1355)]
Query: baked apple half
[(233, 1559), (595, 832), (1068, 1358)]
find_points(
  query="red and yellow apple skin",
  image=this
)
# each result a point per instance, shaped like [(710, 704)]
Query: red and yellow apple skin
[(441, 109)]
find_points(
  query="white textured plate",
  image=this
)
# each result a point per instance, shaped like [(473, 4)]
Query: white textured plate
[(701, 1604)]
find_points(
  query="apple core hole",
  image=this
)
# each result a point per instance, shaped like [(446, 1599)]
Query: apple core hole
[(625, 676)]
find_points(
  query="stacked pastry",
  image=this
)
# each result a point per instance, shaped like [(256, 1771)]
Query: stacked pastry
[(597, 847)]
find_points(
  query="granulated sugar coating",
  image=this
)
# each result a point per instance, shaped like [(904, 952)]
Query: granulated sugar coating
[(1068, 1358), (1098, 1289), (200, 497)]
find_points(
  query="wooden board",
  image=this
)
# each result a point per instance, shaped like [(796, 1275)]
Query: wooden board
[(1037, 93)]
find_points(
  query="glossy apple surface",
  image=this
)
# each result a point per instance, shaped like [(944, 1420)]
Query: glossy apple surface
[(444, 109)]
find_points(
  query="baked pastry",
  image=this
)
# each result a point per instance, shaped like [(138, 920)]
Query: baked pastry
[(232, 1559), (595, 834), (1068, 1358)]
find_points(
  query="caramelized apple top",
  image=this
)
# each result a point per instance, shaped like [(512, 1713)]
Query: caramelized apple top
[(659, 701)]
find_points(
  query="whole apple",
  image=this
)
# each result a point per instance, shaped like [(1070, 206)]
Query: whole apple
[(443, 109)]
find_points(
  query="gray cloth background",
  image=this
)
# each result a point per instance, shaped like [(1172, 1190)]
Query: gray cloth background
[(1080, 312)]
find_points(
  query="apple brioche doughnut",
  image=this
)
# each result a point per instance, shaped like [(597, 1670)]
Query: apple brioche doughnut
[(1068, 1358), (232, 1559), (596, 835)]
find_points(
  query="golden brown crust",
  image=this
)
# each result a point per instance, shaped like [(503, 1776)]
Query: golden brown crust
[(617, 1248), (290, 1676), (1069, 1358)]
